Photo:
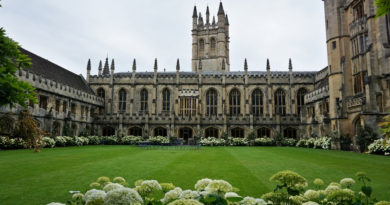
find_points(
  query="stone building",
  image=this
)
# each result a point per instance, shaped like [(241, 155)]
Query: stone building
[(357, 91), (212, 101), (65, 101)]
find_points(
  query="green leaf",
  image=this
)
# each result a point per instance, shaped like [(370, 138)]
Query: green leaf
[(367, 190), (234, 199), (210, 199)]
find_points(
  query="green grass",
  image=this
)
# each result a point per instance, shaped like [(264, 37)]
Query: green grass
[(39, 178)]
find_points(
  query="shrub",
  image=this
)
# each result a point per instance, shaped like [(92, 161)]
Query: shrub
[(239, 142), (288, 142), (290, 190), (94, 196), (301, 143), (123, 196), (159, 140), (264, 142), (93, 140), (110, 140), (322, 143), (14, 143), (212, 141), (48, 142), (172, 195), (131, 140), (310, 142), (380, 146), (80, 141), (60, 141)]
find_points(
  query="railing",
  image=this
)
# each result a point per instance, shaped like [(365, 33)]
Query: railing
[(317, 95)]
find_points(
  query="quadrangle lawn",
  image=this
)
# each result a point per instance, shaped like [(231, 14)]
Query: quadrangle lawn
[(40, 178)]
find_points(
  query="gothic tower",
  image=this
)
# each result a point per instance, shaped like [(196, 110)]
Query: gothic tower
[(210, 41)]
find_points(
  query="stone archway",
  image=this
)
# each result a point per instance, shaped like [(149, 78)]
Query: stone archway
[(185, 133)]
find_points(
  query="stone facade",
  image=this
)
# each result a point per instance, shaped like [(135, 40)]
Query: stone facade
[(359, 65), (213, 101)]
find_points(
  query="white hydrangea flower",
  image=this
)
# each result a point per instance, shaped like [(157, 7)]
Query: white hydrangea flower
[(202, 184), (119, 179), (172, 195), (310, 203), (78, 196), (331, 188), (185, 202), (111, 186), (217, 186), (312, 195), (347, 182), (231, 195), (189, 194), (148, 186), (252, 201), (123, 196), (55, 203), (94, 196)]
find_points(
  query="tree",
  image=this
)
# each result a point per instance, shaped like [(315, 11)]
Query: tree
[(383, 7), (12, 90)]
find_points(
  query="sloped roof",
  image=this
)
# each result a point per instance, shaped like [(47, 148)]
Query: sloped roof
[(52, 71)]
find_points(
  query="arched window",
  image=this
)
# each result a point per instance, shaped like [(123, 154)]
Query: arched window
[(301, 100), (356, 125), (122, 100), (235, 102), (166, 100), (108, 131), (290, 133), (201, 44), (160, 131), (213, 43), (237, 133), (101, 93), (135, 131), (379, 102), (144, 101), (280, 102), (257, 102), (211, 102), (211, 132), (263, 132)]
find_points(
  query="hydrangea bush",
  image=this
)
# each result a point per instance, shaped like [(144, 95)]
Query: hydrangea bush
[(380, 146), (290, 190)]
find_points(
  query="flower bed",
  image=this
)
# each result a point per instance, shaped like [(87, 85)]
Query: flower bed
[(290, 189)]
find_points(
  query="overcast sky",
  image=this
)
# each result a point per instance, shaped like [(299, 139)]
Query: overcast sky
[(69, 32)]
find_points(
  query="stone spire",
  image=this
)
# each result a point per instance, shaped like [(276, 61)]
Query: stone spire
[(155, 64), (134, 65), (200, 20), (177, 65), (213, 20), (106, 69), (268, 65), (100, 67), (245, 65), (88, 69), (290, 67), (112, 65), (226, 20), (220, 10), (89, 64), (207, 16), (195, 14)]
